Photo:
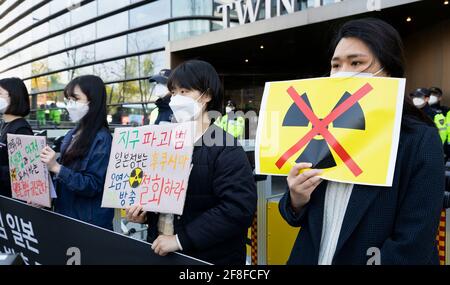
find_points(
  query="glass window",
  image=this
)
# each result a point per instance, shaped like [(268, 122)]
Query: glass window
[(111, 71), (85, 54), (192, 7), (111, 48), (82, 35), (60, 23), (112, 25), (41, 31), (124, 107), (185, 29), (105, 6), (148, 39), (84, 13), (61, 60), (87, 70), (150, 13), (57, 6), (145, 65), (59, 43), (38, 50), (56, 81), (41, 13)]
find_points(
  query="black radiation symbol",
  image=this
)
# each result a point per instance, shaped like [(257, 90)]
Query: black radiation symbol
[(317, 151), (136, 177)]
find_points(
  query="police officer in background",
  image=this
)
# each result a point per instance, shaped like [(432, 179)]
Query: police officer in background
[(436, 104), (162, 112), (231, 122), (421, 99), (436, 100)]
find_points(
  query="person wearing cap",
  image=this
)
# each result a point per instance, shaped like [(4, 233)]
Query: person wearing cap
[(162, 112), (421, 99), (435, 103), (436, 100), (231, 123)]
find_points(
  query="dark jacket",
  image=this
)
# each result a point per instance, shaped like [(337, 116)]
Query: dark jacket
[(220, 203), (80, 186), (17, 127), (164, 112), (402, 221), (443, 109), (430, 112)]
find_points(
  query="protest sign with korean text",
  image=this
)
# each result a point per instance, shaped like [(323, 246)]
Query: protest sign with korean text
[(29, 175), (150, 166)]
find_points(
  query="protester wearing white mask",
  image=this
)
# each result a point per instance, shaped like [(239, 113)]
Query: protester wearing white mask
[(81, 169), (77, 110), (221, 193), (420, 98), (4, 102), (436, 100), (14, 106), (340, 221), (162, 113), (184, 107)]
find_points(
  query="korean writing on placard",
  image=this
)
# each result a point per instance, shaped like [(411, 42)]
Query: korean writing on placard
[(29, 175), (150, 166)]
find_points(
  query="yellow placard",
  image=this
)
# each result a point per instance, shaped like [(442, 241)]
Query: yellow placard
[(348, 126)]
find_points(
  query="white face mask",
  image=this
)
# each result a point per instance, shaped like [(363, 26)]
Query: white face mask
[(229, 109), (3, 105), (185, 109), (355, 74), (77, 110), (433, 100), (418, 102), (160, 90)]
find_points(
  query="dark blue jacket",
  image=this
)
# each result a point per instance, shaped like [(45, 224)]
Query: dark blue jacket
[(80, 186), (401, 221), (164, 112)]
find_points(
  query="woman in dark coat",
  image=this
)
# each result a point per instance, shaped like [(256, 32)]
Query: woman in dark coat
[(14, 106), (355, 224)]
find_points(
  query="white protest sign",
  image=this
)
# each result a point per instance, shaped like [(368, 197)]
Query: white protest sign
[(150, 166), (29, 175)]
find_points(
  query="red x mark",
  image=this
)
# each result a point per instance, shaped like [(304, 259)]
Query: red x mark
[(320, 127)]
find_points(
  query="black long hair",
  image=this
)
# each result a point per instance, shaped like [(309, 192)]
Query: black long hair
[(386, 44), (19, 97), (94, 88)]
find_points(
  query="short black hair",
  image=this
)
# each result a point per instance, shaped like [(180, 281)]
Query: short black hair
[(201, 76), (19, 97)]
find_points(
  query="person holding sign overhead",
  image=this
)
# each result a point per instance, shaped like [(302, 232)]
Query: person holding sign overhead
[(80, 171), (355, 224), (14, 106), (221, 196)]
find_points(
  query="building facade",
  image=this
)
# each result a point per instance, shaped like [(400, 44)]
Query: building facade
[(48, 43)]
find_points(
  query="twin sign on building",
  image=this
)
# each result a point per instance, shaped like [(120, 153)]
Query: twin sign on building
[(249, 10)]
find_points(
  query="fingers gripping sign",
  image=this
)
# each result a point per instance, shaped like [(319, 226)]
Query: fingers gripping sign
[(302, 182)]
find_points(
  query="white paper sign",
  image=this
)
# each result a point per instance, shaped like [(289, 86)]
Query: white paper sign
[(29, 175), (150, 166)]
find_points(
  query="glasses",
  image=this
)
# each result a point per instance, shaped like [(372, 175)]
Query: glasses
[(69, 101)]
